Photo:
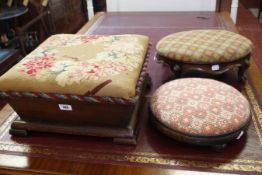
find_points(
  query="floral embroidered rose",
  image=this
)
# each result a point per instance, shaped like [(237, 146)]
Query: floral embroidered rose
[(76, 64), (32, 67), (119, 54), (78, 72), (62, 40), (87, 38)]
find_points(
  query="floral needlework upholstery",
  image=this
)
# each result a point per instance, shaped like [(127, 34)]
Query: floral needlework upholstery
[(204, 46), (200, 107), (78, 64)]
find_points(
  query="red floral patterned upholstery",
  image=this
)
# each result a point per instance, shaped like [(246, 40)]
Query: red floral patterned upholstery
[(200, 107)]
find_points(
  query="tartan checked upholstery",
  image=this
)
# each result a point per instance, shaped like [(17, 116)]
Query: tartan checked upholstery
[(204, 46)]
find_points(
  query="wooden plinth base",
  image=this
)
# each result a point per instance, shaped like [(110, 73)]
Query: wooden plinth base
[(122, 134)]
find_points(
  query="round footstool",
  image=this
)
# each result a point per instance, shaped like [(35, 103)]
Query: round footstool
[(200, 111), (209, 51)]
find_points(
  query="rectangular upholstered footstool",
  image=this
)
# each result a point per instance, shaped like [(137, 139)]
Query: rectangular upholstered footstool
[(79, 84)]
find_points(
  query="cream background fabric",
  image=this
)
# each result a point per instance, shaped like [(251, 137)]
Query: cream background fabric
[(78, 64)]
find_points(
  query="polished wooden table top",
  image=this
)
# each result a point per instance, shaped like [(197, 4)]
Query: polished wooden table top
[(156, 24), (12, 12)]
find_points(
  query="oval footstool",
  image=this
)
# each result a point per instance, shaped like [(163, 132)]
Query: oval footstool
[(209, 51), (200, 111)]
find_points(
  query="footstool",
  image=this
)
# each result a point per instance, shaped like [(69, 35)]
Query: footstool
[(200, 111), (209, 51), (80, 85)]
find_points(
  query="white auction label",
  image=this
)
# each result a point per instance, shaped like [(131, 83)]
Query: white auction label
[(215, 67), (65, 107)]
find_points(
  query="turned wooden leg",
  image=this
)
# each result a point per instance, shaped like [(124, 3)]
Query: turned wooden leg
[(177, 70), (242, 70)]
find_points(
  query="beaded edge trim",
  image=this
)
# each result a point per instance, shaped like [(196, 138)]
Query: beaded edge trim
[(91, 99)]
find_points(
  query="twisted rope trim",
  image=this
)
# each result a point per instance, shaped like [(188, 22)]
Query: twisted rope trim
[(91, 99)]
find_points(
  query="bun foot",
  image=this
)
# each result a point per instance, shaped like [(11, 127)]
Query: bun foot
[(18, 132)]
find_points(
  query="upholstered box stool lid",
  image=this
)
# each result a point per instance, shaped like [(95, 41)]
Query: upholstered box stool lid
[(204, 46), (84, 65), (200, 108)]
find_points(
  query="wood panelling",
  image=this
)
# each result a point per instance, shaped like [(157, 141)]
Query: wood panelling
[(250, 3), (223, 5), (68, 15)]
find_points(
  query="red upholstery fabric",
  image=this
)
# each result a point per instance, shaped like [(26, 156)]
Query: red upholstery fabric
[(200, 107)]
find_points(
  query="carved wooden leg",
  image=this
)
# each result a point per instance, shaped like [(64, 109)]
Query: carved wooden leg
[(242, 70), (18, 132)]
